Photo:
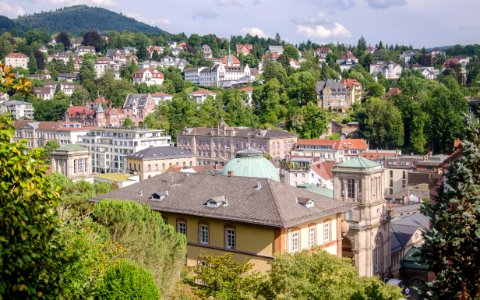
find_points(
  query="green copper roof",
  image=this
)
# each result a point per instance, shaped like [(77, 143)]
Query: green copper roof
[(317, 189), (70, 148), (251, 163), (358, 163)]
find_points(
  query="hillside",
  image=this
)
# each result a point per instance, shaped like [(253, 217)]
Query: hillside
[(81, 18), (7, 25)]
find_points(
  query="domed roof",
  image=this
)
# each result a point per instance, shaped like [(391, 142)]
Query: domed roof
[(251, 163)]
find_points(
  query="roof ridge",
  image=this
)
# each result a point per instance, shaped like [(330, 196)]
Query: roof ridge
[(275, 202)]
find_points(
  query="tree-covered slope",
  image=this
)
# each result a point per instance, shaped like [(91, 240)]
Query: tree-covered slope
[(81, 18), (7, 25)]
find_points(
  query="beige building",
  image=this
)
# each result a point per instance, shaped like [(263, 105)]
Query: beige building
[(153, 161), (17, 60), (359, 181), (219, 145), (37, 134), (72, 161), (252, 218)]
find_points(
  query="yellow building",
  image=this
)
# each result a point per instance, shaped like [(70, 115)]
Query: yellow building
[(253, 218), (153, 161)]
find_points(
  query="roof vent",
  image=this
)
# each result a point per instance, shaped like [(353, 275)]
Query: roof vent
[(258, 186), (215, 202), (159, 195), (141, 193), (306, 202)]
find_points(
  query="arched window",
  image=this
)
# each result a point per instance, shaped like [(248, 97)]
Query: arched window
[(378, 254)]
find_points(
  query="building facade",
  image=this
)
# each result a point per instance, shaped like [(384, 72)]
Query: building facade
[(17, 60), (219, 145), (18, 109), (72, 161), (154, 161), (332, 95), (224, 219), (110, 147), (137, 107), (359, 181), (330, 150)]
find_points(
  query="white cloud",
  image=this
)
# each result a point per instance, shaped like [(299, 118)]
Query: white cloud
[(10, 10), (253, 31), (319, 19), (228, 3), (323, 32)]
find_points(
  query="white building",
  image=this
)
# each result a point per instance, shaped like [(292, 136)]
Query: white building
[(110, 147), (220, 75), (200, 95), (102, 64), (82, 50), (389, 70), (160, 97), (17, 60), (429, 73), (148, 76), (308, 172), (18, 109)]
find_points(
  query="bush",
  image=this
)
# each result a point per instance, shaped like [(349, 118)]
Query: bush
[(126, 280)]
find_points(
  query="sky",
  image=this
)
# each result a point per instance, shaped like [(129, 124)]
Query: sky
[(420, 23)]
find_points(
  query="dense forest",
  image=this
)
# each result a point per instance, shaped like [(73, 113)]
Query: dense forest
[(79, 19)]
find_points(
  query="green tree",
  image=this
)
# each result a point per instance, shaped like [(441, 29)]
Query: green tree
[(87, 77), (128, 123), (148, 241), (451, 247), (320, 275), (37, 35), (51, 110), (40, 59), (269, 100), (127, 280), (33, 260), (273, 69), (92, 38), (64, 39), (50, 146), (301, 86), (381, 123), (224, 278), (308, 121)]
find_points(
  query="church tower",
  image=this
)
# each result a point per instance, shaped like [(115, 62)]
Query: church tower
[(360, 182)]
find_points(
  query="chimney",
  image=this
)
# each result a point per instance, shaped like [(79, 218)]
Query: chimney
[(230, 173)]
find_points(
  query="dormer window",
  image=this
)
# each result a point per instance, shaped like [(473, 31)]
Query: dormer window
[(159, 195), (215, 202), (306, 202)]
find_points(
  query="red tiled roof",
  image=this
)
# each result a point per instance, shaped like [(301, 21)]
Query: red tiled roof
[(391, 92), (374, 156), (16, 55), (348, 55), (323, 50), (247, 89), (336, 144), (236, 61), (350, 83), (155, 73), (324, 169), (161, 95), (202, 92), (102, 100), (80, 110), (242, 47)]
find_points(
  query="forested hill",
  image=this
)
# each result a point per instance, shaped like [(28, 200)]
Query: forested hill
[(7, 25), (80, 19)]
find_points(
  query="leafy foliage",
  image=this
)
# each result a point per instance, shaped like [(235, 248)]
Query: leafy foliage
[(149, 242), (452, 247), (127, 280), (33, 260)]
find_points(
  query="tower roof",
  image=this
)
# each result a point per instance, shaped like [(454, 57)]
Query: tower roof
[(358, 163), (251, 163)]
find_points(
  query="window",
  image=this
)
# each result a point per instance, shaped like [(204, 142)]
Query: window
[(182, 226), (311, 236), (351, 188), (203, 234), (326, 232), (230, 238), (295, 240), (404, 179)]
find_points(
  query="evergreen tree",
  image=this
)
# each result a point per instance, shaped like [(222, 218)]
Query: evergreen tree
[(64, 39), (452, 247)]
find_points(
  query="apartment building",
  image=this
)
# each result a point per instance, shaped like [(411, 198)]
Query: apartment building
[(329, 150), (18, 109), (17, 60), (111, 146), (37, 134), (219, 145)]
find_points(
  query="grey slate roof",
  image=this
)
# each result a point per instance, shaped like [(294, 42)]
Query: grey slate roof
[(16, 102), (153, 153), (242, 132), (336, 87), (136, 100), (402, 229), (250, 200)]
